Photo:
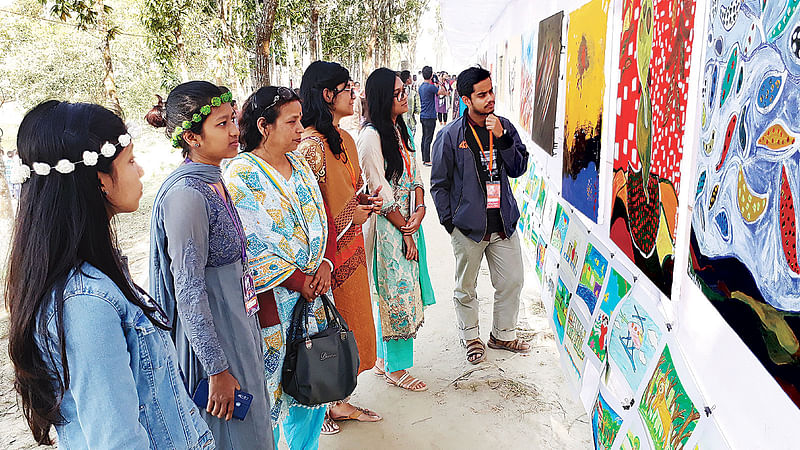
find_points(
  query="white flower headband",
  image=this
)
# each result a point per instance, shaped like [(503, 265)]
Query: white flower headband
[(21, 172)]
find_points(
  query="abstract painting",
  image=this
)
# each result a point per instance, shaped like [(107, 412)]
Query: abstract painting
[(616, 288), (668, 412), (562, 298), (593, 275), (635, 337), (605, 423), (654, 54), (743, 240), (583, 119), (575, 332), (527, 81), (548, 62)]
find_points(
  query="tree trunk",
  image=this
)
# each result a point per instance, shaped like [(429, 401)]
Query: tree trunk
[(315, 42), (261, 74), (109, 83), (181, 55)]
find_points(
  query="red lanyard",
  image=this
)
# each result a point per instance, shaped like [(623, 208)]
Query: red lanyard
[(491, 147)]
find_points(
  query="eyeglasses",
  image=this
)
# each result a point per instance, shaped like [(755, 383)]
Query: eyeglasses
[(347, 88), (283, 93), (400, 95)]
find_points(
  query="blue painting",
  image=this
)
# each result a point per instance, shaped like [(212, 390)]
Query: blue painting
[(592, 278), (743, 238), (634, 340)]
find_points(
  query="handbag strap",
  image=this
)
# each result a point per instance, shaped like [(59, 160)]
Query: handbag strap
[(298, 327)]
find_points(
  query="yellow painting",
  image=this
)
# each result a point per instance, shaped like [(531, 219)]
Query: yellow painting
[(583, 119)]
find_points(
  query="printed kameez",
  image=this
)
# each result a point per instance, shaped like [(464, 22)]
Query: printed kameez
[(403, 287), (339, 178)]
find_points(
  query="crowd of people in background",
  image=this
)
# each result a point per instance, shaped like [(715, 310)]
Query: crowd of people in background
[(273, 205)]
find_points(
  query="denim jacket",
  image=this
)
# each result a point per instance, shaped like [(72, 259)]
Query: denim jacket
[(125, 388)]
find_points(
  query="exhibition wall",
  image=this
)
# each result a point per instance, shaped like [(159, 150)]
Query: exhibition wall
[(658, 211)]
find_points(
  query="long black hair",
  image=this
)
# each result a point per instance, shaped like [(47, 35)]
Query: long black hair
[(267, 103), (321, 75), (182, 103), (62, 222), (379, 91)]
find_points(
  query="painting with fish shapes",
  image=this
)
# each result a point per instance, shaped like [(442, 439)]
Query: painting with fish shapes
[(743, 238), (654, 55)]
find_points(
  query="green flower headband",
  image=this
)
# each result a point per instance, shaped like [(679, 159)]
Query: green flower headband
[(177, 135)]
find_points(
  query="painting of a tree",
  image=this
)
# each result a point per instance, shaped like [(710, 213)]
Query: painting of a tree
[(667, 410)]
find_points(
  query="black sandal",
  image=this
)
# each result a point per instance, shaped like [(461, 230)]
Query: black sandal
[(476, 351)]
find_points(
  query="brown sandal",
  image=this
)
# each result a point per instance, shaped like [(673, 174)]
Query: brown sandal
[(476, 351), (516, 346), (360, 415), (407, 382), (378, 371)]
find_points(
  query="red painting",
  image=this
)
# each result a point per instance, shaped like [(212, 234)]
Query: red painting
[(655, 52)]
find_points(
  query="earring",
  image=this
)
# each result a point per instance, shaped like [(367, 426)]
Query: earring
[(196, 145)]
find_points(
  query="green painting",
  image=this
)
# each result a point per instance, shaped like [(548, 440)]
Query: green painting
[(669, 414)]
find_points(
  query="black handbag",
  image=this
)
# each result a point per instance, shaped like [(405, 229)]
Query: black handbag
[(324, 367)]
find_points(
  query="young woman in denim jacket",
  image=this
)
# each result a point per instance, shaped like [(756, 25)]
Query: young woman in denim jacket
[(91, 351)]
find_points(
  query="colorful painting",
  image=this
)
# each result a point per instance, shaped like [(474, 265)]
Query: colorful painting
[(616, 288), (560, 228), (575, 332), (655, 50), (592, 277), (634, 341), (605, 423), (562, 298), (548, 62), (527, 81), (548, 213), (583, 119), (635, 437), (573, 248), (541, 251), (668, 412), (743, 239)]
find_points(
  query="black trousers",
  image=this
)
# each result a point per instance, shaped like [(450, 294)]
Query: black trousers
[(428, 128)]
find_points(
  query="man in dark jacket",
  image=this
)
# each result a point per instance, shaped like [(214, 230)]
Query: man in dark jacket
[(472, 160)]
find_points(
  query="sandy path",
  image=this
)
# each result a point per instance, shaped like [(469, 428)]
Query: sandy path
[(509, 402)]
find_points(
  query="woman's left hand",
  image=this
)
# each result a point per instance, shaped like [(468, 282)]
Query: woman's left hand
[(414, 222), (376, 200), (322, 279)]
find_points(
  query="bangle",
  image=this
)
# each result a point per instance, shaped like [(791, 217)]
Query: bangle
[(420, 206)]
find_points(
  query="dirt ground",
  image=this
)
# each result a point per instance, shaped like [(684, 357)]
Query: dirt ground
[(509, 402)]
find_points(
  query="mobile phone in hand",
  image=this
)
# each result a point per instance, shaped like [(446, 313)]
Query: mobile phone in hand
[(241, 399)]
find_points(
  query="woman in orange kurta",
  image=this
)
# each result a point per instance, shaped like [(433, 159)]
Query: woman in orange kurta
[(331, 152)]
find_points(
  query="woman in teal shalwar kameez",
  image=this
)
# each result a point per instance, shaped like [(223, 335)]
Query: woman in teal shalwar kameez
[(394, 241)]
